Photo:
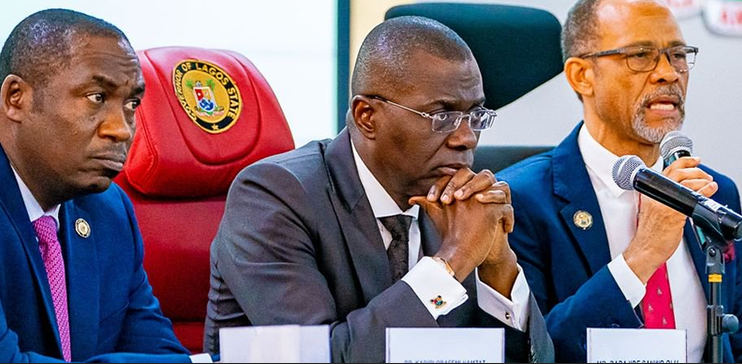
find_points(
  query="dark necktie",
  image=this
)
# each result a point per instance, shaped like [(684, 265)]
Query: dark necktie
[(398, 252)]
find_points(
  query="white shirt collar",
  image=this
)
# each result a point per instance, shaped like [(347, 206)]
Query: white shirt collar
[(600, 160), (382, 204), (32, 205)]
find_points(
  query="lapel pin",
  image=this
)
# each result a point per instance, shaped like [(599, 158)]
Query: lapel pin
[(583, 220), (82, 228)]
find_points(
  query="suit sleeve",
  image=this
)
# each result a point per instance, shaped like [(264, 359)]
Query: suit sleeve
[(599, 302), (10, 351), (145, 329), (265, 254)]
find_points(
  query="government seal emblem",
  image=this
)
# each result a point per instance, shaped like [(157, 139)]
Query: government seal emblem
[(207, 94)]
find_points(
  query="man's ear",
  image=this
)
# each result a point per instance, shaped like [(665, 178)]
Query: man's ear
[(580, 75), (16, 97), (363, 111)]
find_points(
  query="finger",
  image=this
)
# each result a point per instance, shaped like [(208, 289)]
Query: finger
[(481, 182), (709, 189), (462, 177), (696, 184), (508, 218), (504, 187), (431, 209), (683, 163), (492, 196), (420, 201), (680, 175), (437, 189)]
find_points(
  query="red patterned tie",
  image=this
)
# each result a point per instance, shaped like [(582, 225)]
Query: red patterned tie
[(657, 304), (51, 253)]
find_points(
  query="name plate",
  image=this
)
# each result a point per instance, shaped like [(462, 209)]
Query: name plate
[(445, 345), (275, 344), (636, 346)]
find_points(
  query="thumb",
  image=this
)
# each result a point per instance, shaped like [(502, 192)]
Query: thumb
[(432, 209)]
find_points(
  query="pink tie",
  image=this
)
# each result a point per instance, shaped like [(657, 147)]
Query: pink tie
[(51, 253), (657, 304)]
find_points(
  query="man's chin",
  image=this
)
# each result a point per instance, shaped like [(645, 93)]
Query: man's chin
[(98, 185), (654, 131)]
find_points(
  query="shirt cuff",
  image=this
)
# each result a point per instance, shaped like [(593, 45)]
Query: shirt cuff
[(631, 286), (512, 313), (201, 358), (437, 290)]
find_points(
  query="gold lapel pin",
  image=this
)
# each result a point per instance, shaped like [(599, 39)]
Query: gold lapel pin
[(583, 220), (82, 228)]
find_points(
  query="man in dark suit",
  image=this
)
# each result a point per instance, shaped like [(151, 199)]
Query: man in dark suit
[(72, 285), (331, 233), (595, 255)]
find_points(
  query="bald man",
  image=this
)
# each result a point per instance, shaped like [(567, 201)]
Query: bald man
[(333, 234), (594, 254)]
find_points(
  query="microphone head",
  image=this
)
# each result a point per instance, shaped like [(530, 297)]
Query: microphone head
[(625, 169), (675, 142)]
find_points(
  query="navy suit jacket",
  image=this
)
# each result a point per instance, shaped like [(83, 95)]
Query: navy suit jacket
[(299, 244), (566, 266), (111, 305)]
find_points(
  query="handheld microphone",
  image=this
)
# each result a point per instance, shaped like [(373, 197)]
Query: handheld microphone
[(675, 145), (630, 173)]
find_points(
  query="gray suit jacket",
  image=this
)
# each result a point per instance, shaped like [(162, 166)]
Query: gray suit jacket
[(299, 244)]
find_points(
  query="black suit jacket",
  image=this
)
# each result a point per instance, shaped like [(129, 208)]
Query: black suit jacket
[(299, 244)]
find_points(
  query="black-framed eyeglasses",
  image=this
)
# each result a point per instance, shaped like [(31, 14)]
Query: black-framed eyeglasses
[(645, 58), (448, 121)]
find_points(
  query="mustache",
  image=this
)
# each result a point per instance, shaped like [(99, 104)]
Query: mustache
[(671, 90)]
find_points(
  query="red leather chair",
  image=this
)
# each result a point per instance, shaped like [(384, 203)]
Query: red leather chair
[(206, 115)]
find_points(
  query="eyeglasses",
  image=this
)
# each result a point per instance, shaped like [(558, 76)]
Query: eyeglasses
[(645, 59), (448, 121)]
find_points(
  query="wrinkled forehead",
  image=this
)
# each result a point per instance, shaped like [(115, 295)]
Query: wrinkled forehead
[(637, 22)]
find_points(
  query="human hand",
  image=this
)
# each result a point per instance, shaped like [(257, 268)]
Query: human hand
[(660, 228), (474, 230)]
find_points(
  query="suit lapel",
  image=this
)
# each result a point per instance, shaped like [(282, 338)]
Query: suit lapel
[(12, 202), (572, 184), (356, 218), (83, 292)]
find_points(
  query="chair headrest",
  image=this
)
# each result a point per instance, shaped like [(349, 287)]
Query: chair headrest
[(205, 116), (517, 48)]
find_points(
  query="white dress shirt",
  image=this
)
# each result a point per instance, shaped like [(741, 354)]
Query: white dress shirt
[(427, 278), (619, 210), (35, 212)]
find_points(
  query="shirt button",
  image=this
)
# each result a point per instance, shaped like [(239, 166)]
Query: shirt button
[(507, 316)]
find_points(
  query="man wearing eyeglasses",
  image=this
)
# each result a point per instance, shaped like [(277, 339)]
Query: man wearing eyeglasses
[(597, 256), (332, 233)]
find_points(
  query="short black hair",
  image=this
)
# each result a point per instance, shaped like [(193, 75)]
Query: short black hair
[(40, 45), (386, 52), (580, 31)]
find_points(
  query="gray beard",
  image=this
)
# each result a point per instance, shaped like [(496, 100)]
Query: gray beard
[(655, 135)]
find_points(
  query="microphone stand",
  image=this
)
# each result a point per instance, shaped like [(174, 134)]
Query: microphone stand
[(718, 323)]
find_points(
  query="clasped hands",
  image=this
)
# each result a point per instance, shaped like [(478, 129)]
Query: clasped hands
[(474, 215)]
